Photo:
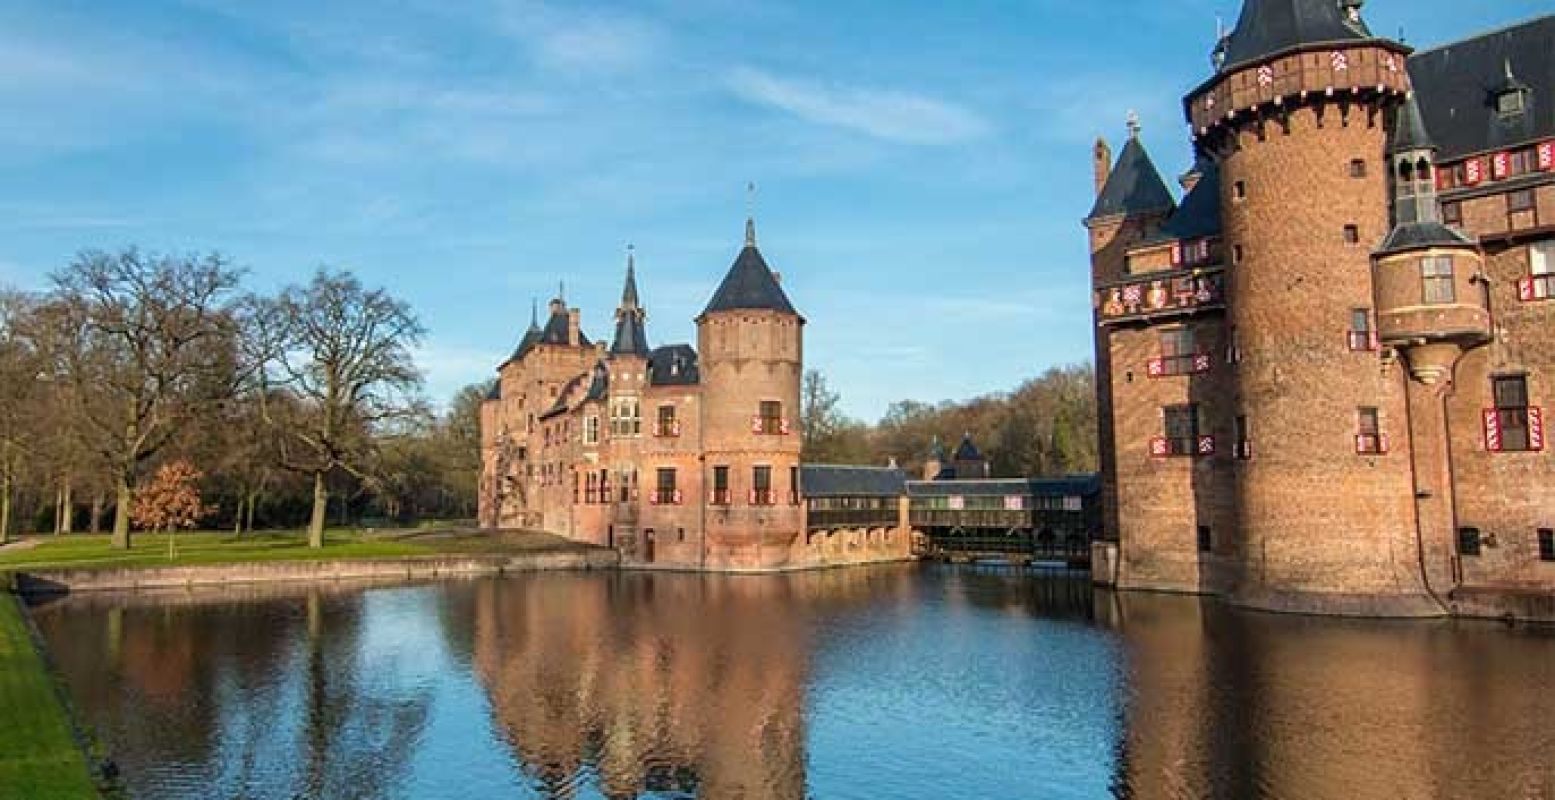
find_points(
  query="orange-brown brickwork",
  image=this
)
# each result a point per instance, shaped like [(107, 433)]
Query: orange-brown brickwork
[(1292, 501), (621, 447)]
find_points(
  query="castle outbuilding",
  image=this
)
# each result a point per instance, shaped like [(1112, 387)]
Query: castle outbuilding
[(1320, 372), (680, 456)]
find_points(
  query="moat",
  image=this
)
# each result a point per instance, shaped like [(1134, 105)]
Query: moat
[(889, 682)]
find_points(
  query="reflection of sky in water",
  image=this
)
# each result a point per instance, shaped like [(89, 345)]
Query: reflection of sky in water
[(907, 692), (910, 682)]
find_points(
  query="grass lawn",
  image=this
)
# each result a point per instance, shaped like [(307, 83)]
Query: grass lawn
[(150, 550), (38, 755)]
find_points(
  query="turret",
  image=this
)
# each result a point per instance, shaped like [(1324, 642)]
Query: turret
[(1430, 307), (751, 343)]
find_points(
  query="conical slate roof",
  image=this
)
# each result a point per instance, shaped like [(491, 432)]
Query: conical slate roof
[(630, 338), (1409, 131), (750, 283), (1270, 27), (1134, 186)]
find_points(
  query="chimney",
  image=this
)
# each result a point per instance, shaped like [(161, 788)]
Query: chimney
[(573, 317), (1190, 179), (777, 276), (1102, 163)]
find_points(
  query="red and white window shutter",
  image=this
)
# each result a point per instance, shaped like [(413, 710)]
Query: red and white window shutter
[(1158, 447), (1535, 428), (1546, 156), (1473, 172), (1492, 430), (1501, 166)]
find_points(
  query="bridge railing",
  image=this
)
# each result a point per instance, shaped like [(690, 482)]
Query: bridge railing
[(963, 518), (853, 518)]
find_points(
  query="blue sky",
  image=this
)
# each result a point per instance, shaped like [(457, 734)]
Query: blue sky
[(923, 166)]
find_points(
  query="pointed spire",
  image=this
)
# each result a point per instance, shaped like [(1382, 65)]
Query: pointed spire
[(1133, 124), (1409, 131), (630, 338), (534, 313), (750, 214), (629, 294), (1134, 186)]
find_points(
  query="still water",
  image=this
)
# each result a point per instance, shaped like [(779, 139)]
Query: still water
[(897, 682)]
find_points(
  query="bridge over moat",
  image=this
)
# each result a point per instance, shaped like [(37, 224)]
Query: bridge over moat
[(1015, 520)]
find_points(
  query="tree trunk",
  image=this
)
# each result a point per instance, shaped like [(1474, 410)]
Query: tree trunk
[(5, 501), (69, 502), (320, 507), (253, 501), (59, 509), (99, 500), (121, 515)]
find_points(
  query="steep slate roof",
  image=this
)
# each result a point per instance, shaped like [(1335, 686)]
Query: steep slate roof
[(967, 451), (495, 392), (1419, 235), (1457, 82), (825, 480), (599, 386), (750, 283), (630, 338), (674, 365), (561, 404), (555, 331), (1199, 214), (1133, 187), (1069, 486), (1409, 130), (531, 336), (1271, 27)]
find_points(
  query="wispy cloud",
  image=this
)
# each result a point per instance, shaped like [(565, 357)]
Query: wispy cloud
[(597, 45), (889, 114)]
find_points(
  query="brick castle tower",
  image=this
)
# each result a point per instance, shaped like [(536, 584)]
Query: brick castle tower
[(1302, 385), (752, 345)]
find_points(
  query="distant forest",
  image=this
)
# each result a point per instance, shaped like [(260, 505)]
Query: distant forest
[(1045, 427)]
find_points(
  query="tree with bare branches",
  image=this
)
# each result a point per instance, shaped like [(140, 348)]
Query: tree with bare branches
[(20, 365), (344, 353), (146, 342)]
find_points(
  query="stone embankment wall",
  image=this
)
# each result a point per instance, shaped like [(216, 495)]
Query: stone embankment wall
[(82, 580)]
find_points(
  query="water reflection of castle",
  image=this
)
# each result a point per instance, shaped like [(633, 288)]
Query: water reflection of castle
[(656, 683)]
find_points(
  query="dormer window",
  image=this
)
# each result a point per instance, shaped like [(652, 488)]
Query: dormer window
[(1512, 102)]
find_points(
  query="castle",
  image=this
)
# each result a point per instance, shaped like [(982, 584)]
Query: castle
[(1320, 373), (678, 456)]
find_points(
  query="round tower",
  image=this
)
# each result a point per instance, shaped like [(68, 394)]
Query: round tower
[(751, 347), (1296, 118)]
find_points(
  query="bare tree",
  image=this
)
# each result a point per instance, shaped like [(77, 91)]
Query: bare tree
[(344, 352), (20, 365), (146, 342)]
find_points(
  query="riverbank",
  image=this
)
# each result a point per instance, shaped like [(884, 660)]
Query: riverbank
[(39, 755), (82, 563)]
